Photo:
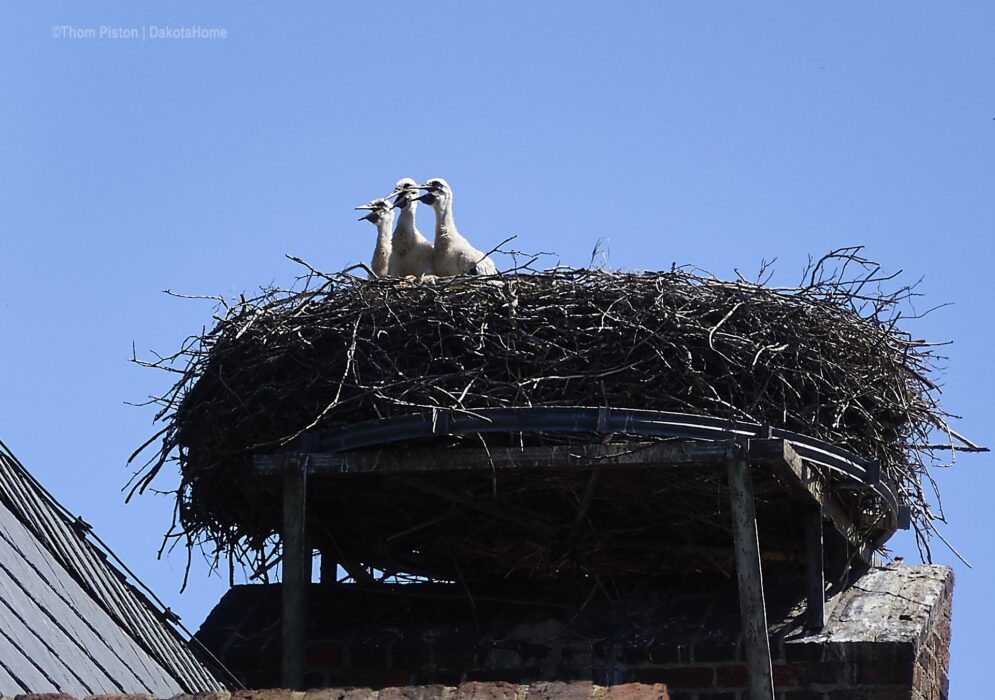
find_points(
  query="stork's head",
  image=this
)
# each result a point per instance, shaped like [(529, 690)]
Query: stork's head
[(437, 195), (379, 211), (405, 193)]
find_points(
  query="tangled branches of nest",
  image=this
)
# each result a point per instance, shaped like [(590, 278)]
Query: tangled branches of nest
[(824, 359)]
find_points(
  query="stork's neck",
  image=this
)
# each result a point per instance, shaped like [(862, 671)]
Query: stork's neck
[(383, 233), (381, 254), (445, 225), (406, 221)]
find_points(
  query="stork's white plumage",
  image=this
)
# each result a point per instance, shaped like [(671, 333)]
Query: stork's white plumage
[(412, 253), (382, 216), (453, 254)]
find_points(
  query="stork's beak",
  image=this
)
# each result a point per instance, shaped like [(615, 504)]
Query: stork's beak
[(366, 207)]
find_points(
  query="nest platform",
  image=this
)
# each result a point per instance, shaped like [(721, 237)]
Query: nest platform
[(626, 492)]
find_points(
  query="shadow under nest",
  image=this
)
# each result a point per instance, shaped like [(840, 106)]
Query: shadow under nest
[(825, 359)]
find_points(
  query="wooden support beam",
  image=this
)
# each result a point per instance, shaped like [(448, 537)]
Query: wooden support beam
[(815, 574), (296, 565), (394, 461), (807, 485), (749, 573), (528, 522)]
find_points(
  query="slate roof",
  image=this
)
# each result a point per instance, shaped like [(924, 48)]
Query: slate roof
[(70, 621)]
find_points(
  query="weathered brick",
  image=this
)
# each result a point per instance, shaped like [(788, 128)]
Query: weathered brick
[(784, 675), (737, 676), (263, 694), (513, 676), (892, 653), (636, 691), (447, 678), (388, 679), (928, 662), (315, 679), (883, 674), (577, 690), (476, 690), (340, 694), (416, 692)]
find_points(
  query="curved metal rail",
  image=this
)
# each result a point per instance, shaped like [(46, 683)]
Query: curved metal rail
[(577, 419)]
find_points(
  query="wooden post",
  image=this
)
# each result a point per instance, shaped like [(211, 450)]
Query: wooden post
[(296, 563), (748, 573), (329, 568), (814, 570)]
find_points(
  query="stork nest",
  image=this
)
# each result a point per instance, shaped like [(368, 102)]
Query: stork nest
[(825, 359)]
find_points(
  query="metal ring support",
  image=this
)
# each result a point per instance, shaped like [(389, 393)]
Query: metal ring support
[(577, 419)]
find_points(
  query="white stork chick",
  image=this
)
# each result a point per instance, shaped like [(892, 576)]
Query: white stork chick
[(453, 254), (412, 252), (382, 216)]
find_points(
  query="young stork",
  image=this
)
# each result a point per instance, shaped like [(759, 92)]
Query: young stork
[(412, 252), (382, 216), (453, 254)]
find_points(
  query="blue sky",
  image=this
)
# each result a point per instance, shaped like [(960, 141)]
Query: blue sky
[(708, 134)]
